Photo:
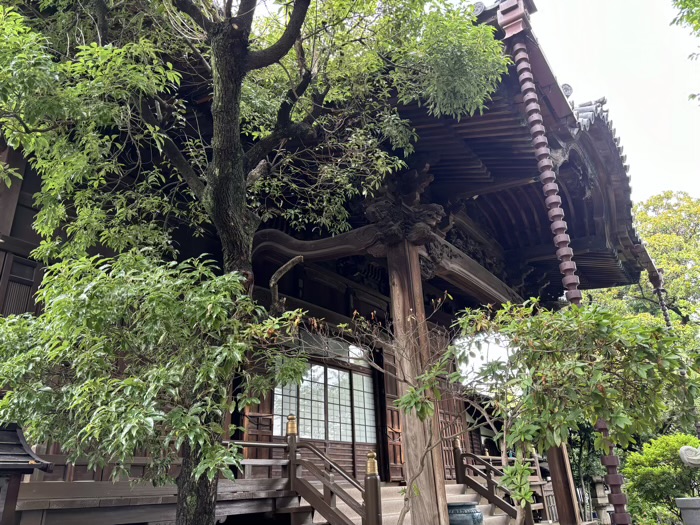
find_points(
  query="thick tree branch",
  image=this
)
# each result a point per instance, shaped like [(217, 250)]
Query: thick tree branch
[(284, 113), (195, 13), (246, 11), (285, 128), (257, 173), (174, 154), (276, 51)]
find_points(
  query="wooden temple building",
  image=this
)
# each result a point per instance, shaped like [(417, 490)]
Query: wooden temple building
[(498, 207)]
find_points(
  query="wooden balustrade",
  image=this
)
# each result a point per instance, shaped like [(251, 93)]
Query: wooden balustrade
[(369, 509), (479, 474), (300, 478)]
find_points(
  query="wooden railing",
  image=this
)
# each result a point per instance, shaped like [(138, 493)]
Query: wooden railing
[(300, 477), (482, 476), (298, 469), (369, 509)]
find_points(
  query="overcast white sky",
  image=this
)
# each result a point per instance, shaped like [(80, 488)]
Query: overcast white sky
[(626, 50)]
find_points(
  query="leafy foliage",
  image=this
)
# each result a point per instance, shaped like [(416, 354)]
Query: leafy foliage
[(669, 224), (656, 476), (689, 16), (563, 368), (135, 354), (197, 116), (77, 110)]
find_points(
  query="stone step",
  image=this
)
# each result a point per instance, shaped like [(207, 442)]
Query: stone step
[(391, 519), (392, 503), (391, 491)]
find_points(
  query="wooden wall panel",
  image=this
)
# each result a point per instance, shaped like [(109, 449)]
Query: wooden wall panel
[(19, 280), (475, 444), (394, 427), (451, 424)]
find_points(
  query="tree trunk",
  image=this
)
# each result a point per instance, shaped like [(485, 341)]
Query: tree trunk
[(196, 499), (225, 201), (226, 191)]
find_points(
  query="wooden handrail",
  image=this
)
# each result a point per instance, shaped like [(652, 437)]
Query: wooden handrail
[(370, 510), (500, 459), (253, 444), (489, 467), (334, 487), (337, 468), (484, 470)]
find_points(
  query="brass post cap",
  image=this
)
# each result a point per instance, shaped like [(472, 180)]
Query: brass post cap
[(457, 443), (372, 466), (292, 425)]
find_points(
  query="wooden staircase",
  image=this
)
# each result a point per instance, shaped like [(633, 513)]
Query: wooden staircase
[(483, 474), (393, 500)]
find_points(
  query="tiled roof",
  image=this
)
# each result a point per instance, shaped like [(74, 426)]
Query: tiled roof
[(15, 454), (590, 112)]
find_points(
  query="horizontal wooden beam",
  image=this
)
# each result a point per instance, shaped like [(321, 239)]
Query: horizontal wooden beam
[(452, 264), (355, 242), (460, 270)]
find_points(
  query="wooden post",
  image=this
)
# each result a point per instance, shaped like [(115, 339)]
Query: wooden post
[(529, 517), (564, 488), (411, 336), (9, 491), (373, 493), (459, 462), (292, 450), (328, 495)]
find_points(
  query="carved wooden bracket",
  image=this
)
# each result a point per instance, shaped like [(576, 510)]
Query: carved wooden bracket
[(398, 212), (356, 242), (442, 259)]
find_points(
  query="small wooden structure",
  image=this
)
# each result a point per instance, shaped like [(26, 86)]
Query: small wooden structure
[(16, 460)]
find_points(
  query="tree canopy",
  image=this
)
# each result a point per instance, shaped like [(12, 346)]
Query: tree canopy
[(136, 354), (109, 107), (152, 121), (669, 224), (571, 367), (656, 476)]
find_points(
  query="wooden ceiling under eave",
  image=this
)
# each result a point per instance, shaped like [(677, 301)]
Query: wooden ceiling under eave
[(485, 166)]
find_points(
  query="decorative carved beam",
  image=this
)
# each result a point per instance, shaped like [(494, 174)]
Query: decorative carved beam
[(457, 268), (446, 260), (365, 240)]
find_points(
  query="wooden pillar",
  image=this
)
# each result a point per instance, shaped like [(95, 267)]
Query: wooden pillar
[(9, 491), (429, 506), (563, 486)]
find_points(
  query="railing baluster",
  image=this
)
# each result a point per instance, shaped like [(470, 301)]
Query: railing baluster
[(373, 493), (328, 494), (292, 450), (490, 484), (458, 454)]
